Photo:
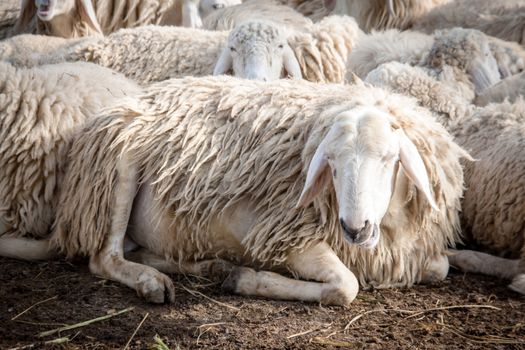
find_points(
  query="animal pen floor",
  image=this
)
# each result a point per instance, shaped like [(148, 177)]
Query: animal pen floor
[(465, 311)]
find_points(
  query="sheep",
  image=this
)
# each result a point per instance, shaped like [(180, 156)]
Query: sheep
[(153, 53), (494, 200), (41, 111), (381, 14), (458, 56), (77, 18), (228, 18), (509, 55), (250, 149), (510, 88), (502, 19)]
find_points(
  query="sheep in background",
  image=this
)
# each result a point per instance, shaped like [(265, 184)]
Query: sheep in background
[(41, 111), (383, 14), (510, 89), (502, 19), (458, 56), (493, 210), (153, 53), (219, 186), (77, 18), (9, 10), (228, 18)]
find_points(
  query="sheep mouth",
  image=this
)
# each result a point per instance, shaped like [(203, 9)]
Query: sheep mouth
[(366, 240), (44, 11)]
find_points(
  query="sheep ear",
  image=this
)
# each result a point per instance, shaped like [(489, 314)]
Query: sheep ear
[(190, 14), (87, 14), (224, 63), (482, 76), (414, 167), (291, 64), (317, 178), (27, 13)]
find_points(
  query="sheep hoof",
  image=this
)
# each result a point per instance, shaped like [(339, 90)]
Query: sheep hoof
[(237, 277), (155, 287), (436, 270), (337, 296), (518, 283)]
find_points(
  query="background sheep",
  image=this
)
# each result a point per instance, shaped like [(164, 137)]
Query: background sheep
[(510, 89), (461, 57), (228, 18), (9, 10), (383, 14), (285, 131), (76, 18), (41, 111), (502, 19)]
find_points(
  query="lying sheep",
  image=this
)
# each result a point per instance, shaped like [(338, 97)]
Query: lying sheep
[(78, 18), (228, 18), (502, 19), (461, 57), (9, 10), (508, 89), (41, 111), (223, 164), (153, 53), (383, 14), (494, 201)]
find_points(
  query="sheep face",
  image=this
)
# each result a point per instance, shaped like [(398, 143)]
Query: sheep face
[(48, 9), (360, 156), (208, 6), (259, 51)]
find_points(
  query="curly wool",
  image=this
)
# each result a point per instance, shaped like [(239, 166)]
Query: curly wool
[(205, 144), (42, 110), (494, 200)]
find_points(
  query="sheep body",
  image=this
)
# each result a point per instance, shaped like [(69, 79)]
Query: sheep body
[(256, 145), (510, 88), (502, 19), (42, 109), (228, 18)]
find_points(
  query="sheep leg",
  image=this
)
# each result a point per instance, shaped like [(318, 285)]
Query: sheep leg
[(217, 269), (436, 269), (27, 248), (478, 262), (337, 284), (109, 262)]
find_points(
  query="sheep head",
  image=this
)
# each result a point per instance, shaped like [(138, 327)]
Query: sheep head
[(360, 155), (47, 10), (468, 50), (258, 50)]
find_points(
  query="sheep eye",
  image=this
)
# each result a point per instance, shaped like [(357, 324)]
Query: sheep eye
[(334, 173), (281, 46), (233, 49)]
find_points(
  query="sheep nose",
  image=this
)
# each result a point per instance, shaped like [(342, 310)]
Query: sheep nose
[(353, 232)]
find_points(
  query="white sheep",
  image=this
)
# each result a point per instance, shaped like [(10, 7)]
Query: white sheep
[(220, 162), (154, 53), (9, 10), (493, 208), (502, 19), (383, 14), (41, 111), (77, 18), (228, 18), (510, 89), (461, 57)]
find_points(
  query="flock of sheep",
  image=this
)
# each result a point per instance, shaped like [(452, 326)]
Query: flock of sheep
[(357, 142)]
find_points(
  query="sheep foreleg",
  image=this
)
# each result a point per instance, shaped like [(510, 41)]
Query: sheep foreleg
[(109, 262), (336, 284)]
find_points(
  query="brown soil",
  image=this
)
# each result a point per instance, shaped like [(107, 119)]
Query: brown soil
[(199, 320)]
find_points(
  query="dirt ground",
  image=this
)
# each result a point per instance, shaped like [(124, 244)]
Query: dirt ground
[(463, 312)]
